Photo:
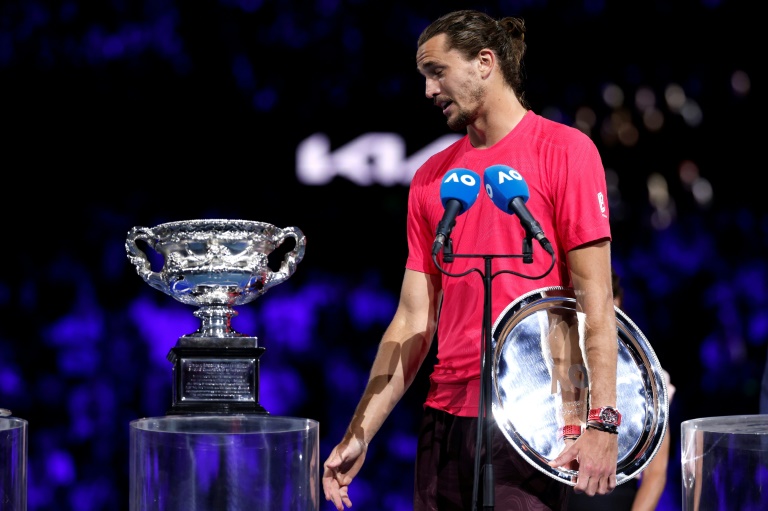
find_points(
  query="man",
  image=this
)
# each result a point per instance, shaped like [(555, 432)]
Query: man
[(472, 67)]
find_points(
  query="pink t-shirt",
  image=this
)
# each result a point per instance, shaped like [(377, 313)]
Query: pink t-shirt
[(568, 198)]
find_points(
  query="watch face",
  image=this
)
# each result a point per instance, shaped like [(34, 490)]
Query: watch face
[(609, 416)]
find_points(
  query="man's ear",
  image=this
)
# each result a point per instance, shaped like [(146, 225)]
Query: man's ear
[(486, 60)]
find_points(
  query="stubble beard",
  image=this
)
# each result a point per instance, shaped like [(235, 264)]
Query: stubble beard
[(460, 122), (466, 116)]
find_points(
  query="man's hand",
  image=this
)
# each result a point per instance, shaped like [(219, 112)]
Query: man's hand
[(597, 453), (340, 468)]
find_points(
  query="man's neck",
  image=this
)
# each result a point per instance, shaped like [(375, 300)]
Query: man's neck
[(501, 115)]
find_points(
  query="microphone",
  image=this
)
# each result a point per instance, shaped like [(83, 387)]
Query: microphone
[(509, 191), (458, 193)]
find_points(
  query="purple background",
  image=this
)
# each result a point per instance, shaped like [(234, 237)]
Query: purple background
[(121, 114)]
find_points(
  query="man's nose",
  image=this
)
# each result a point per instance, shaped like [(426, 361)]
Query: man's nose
[(432, 89)]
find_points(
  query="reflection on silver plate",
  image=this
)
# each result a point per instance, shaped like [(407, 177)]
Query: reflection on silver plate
[(540, 383)]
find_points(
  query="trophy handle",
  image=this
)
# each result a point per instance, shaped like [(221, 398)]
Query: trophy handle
[(139, 258), (291, 259)]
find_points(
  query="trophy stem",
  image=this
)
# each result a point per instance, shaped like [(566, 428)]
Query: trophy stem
[(216, 321)]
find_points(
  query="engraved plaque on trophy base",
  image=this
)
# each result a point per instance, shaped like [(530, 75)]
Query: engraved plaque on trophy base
[(215, 380)]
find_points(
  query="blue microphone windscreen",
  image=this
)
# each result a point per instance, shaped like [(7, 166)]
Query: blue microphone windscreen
[(462, 185), (502, 184)]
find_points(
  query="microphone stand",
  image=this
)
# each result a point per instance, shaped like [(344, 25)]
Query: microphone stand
[(485, 412), (528, 250)]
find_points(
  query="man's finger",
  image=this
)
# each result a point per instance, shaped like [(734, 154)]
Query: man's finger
[(563, 458)]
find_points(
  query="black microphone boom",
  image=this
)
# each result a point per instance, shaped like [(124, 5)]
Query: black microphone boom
[(531, 226), (453, 209)]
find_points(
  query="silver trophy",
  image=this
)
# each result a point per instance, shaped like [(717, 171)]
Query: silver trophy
[(214, 265)]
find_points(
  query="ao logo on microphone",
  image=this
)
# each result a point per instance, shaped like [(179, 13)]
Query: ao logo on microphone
[(465, 178), (503, 177)]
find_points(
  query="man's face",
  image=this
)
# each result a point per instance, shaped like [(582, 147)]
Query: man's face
[(452, 82)]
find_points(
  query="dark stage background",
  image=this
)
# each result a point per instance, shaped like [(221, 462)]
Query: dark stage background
[(120, 114)]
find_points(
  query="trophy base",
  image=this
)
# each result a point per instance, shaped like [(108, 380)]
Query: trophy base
[(215, 380), (216, 409)]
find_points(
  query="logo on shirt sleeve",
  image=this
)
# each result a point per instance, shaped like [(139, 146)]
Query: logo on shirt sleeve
[(601, 202)]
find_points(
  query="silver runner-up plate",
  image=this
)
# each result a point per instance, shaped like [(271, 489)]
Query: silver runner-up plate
[(540, 383)]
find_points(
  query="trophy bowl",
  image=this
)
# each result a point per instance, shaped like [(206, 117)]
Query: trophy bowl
[(214, 264)]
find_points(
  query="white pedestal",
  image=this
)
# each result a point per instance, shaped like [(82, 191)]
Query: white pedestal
[(725, 463), (13, 464), (224, 463)]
